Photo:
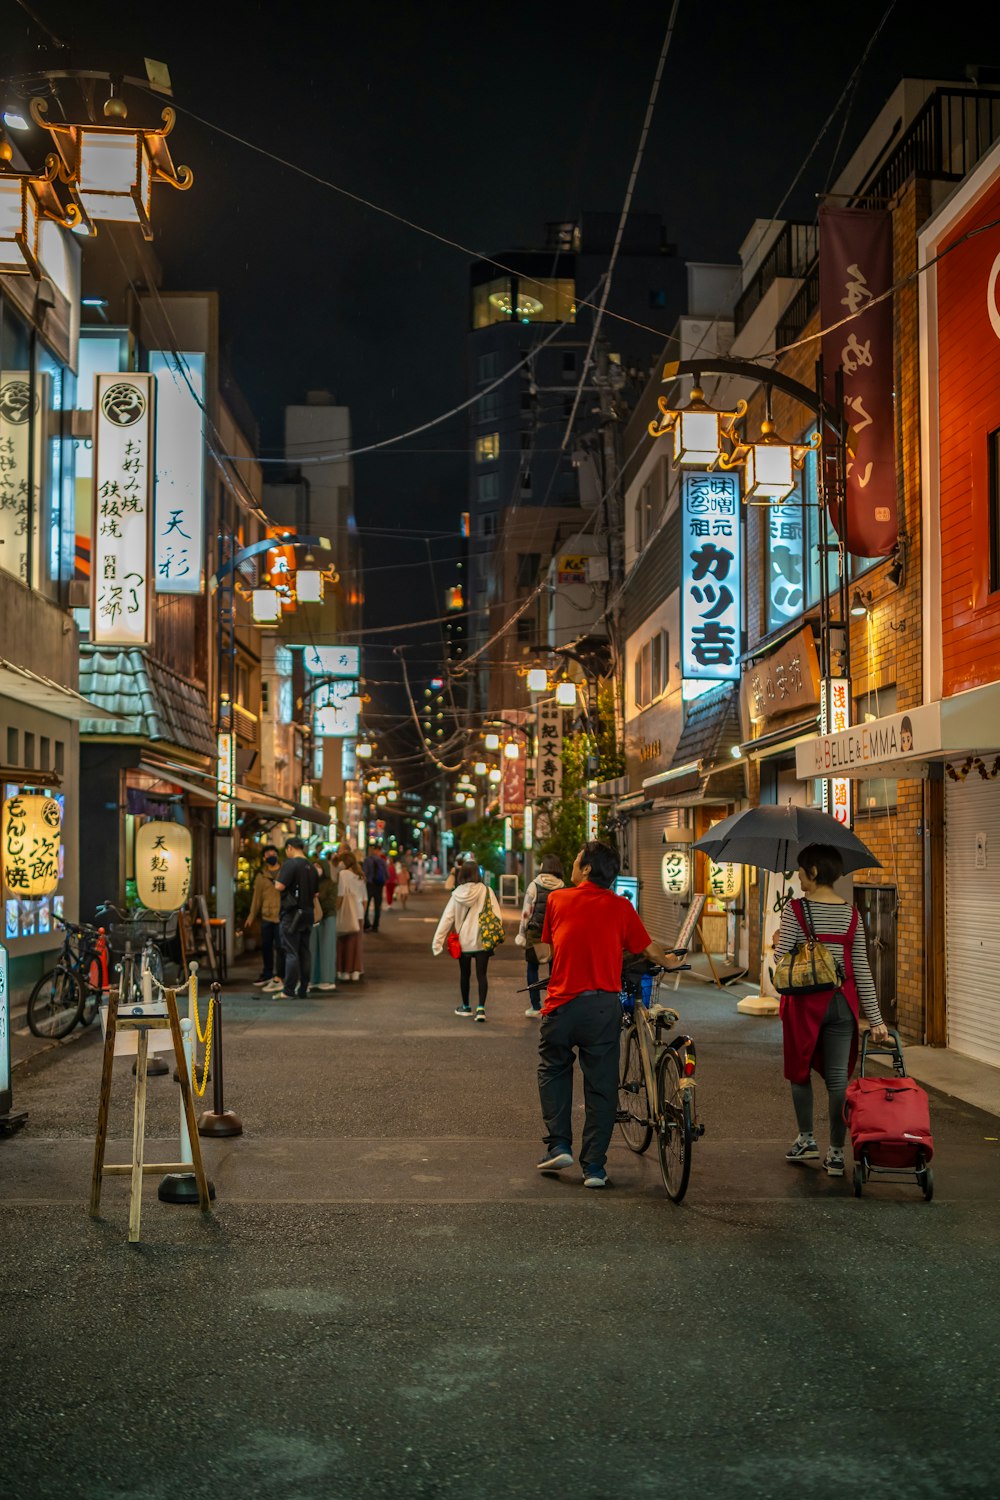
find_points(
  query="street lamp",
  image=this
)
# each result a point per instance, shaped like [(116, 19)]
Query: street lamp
[(770, 464), (25, 200), (538, 680), (492, 742), (111, 169), (496, 774), (481, 768), (512, 750), (698, 429), (566, 694)]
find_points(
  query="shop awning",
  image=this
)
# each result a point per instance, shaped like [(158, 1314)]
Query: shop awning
[(202, 792), (902, 745), (248, 799), (25, 686)]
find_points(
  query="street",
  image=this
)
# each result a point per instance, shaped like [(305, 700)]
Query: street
[(388, 1300)]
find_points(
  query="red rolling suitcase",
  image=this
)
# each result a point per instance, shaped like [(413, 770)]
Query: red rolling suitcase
[(890, 1121)]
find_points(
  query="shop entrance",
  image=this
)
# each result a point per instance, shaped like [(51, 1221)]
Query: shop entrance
[(878, 905)]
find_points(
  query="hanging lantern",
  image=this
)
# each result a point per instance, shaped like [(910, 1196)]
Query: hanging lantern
[(566, 694), (493, 742), (363, 751), (725, 881), (111, 168), (25, 200), (675, 873), (770, 464), (698, 429), (163, 865), (538, 680), (480, 768), (309, 586), (30, 834), (512, 750), (496, 774), (266, 606)]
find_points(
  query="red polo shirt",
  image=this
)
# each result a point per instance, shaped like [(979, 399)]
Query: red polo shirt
[(588, 929)]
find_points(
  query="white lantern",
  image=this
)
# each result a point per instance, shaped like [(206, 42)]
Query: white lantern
[(163, 865), (309, 586), (725, 881), (511, 750), (566, 694), (363, 751), (481, 768), (493, 742), (675, 873), (538, 680), (31, 833), (266, 606), (496, 774), (698, 429)]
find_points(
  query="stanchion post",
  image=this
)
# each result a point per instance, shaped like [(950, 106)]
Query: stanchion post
[(182, 1187), (219, 1121)]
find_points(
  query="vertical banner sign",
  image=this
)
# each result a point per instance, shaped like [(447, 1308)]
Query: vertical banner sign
[(512, 793), (548, 772), (855, 267), (17, 408), (835, 714), (120, 583), (4, 1033), (180, 472), (225, 775), (711, 576)]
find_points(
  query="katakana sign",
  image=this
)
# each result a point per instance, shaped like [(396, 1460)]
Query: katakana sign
[(120, 567), (711, 576)]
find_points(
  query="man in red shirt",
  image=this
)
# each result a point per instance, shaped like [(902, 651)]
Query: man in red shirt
[(587, 930)]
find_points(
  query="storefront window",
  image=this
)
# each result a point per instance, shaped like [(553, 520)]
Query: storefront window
[(879, 793)]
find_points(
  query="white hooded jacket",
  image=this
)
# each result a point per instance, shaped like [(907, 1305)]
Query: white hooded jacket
[(462, 913)]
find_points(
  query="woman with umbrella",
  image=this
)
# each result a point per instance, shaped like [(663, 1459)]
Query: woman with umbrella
[(820, 1030)]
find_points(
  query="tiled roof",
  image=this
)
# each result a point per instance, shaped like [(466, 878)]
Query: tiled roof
[(712, 728), (154, 701)]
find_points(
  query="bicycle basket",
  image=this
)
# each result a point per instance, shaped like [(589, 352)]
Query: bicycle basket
[(134, 934)]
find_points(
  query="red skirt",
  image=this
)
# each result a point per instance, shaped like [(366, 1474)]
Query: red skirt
[(801, 1023)]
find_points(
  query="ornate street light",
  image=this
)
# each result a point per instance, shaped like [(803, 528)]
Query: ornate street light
[(512, 750), (770, 464), (496, 774), (566, 694), (538, 680), (480, 768), (699, 429), (492, 742), (27, 198), (111, 168)]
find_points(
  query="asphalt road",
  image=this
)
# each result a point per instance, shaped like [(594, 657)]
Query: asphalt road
[(388, 1301)]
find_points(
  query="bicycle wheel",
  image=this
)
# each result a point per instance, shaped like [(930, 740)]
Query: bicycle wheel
[(152, 959), (54, 1004), (673, 1135), (633, 1096), (91, 981)]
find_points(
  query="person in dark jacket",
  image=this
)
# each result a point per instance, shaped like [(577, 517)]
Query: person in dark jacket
[(549, 879), (298, 883), (375, 874)]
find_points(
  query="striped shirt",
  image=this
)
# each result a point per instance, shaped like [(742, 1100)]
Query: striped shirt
[(834, 917)]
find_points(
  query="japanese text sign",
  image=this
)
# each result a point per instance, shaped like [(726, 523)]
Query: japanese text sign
[(180, 472), (836, 716), (711, 576), (548, 769), (332, 661), (675, 872), (336, 709), (120, 586), (163, 865), (17, 408), (30, 835), (855, 267), (225, 775), (724, 881)]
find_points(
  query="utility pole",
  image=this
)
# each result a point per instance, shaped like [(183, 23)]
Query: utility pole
[(609, 379)]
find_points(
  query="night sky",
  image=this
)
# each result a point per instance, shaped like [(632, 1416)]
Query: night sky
[(481, 123)]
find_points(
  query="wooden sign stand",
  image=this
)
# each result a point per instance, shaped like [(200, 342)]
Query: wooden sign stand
[(139, 1166), (691, 925)]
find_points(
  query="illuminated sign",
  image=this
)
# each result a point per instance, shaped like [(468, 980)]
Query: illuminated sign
[(336, 710), (163, 865), (4, 1028), (332, 661), (711, 576), (675, 873), (16, 425), (120, 562), (725, 881), (835, 715), (225, 774), (31, 835), (179, 509)]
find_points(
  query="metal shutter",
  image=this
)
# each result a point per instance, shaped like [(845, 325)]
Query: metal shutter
[(972, 918), (662, 914)]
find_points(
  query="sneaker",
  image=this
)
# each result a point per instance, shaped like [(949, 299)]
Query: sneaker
[(327, 987), (480, 1012), (555, 1159), (804, 1148), (594, 1177), (531, 1011), (261, 984), (343, 977), (463, 1010), (355, 977), (833, 1161), (272, 984)]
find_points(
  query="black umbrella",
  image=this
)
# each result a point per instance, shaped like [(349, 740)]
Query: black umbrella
[(771, 837)]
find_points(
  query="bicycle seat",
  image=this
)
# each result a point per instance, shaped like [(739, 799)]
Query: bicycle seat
[(664, 1015)]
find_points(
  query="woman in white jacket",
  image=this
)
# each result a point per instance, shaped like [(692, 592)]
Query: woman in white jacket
[(462, 913), (532, 920)]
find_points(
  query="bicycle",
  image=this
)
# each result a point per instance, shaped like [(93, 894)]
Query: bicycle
[(656, 1089), (71, 992), (132, 963)]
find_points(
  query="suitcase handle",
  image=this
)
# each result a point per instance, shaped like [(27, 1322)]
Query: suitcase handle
[(892, 1048)]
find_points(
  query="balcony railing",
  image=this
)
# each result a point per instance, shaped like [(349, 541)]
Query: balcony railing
[(792, 253), (947, 138)]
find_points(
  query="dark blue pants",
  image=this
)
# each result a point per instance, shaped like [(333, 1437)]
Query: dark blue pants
[(590, 1024), (271, 951), (535, 996), (374, 895), (298, 964)]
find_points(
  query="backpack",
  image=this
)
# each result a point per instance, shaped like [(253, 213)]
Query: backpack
[(491, 933), (536, 917), (810, 968)]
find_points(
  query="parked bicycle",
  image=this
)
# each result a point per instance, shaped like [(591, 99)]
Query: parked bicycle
[(135, 939), (71, 992), (656, 1090)]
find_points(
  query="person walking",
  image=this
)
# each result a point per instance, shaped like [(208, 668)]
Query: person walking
[(351, 899), (323, 939), (391, 879), (470, 898), (298, 882), (374, 873), (820, 1031), (419, 871), (402, 883), (265, 903), (532, 920), (586, 932)]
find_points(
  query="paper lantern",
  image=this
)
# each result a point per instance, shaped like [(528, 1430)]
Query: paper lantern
[(725, 881), (30, 833), (163, 865), (675, 873)]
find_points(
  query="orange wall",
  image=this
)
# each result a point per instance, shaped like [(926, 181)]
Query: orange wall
[(969, 409)]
